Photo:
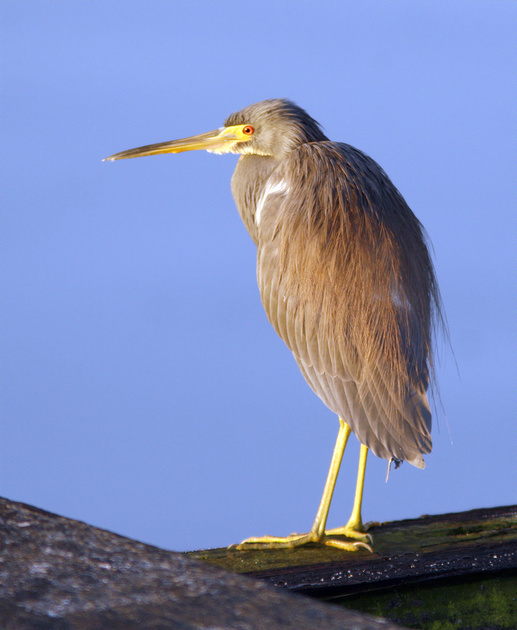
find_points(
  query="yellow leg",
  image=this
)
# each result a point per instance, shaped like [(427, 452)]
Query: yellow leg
[(318, 533), (355, 528), (318, 527)]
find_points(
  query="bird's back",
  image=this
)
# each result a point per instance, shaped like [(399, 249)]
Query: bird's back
[(346, 279)]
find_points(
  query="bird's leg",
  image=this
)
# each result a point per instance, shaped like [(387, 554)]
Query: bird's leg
[(318, 527), (317, 533), (355, 528)]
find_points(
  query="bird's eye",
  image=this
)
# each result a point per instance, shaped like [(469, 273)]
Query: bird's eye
[(248, 130)]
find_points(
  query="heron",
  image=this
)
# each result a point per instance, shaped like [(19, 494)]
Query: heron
[(346, 280)]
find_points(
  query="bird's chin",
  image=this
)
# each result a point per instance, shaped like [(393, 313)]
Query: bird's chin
[(241, 149), (222, 150), (234, 147)]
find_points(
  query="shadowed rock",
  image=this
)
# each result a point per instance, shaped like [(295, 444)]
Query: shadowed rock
[(56, 573)]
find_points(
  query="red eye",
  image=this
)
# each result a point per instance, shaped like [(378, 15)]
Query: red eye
[(248, 130)]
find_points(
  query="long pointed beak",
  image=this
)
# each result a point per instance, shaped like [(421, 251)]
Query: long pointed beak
[(218, 141)]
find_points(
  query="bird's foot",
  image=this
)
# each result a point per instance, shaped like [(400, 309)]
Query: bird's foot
[(277, 542), (353, 529), (358, 534), (297, 540)]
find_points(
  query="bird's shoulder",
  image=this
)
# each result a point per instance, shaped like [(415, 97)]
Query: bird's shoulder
[(318, 178), (334, 158)]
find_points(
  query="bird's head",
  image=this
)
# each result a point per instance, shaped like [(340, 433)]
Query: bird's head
[(270, 128)]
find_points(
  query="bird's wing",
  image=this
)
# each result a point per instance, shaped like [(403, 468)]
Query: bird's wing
[(337, 283)]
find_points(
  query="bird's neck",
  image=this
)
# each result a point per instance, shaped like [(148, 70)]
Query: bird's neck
[(249, 178)]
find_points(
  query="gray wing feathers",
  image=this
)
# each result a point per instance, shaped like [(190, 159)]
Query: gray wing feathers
[(308, 309)]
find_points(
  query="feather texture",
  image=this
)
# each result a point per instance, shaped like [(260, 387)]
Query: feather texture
[(347, 282)]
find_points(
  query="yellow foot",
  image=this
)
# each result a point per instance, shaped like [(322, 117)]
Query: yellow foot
[(275, 542), (348, 546), (357, 534), (297, 540), (353, 529)]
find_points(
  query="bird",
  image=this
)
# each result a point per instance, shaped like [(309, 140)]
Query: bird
[(347, 281)]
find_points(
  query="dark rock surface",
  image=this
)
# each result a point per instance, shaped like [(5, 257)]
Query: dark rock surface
[(56, 573)]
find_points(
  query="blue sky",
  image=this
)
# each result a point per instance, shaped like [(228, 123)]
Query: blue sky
[(143, 389)]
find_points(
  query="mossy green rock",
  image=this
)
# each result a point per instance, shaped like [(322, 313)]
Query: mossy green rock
[(438, 572)]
